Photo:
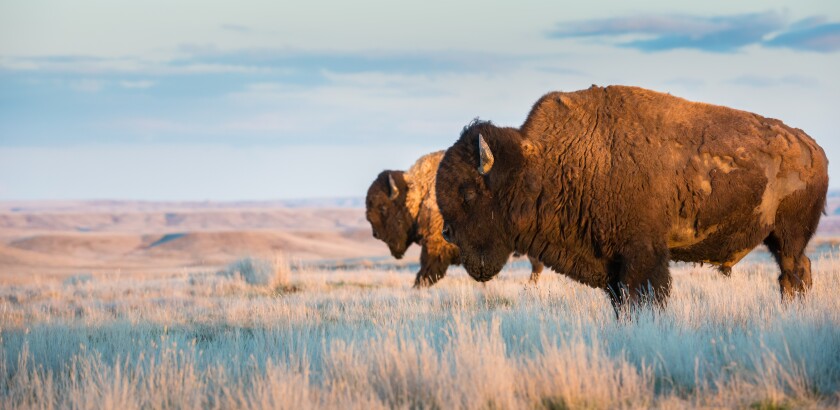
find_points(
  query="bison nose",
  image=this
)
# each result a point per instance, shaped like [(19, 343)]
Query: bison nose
[(447, 233)]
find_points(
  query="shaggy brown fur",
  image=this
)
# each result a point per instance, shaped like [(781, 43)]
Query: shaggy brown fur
[(608, 184), (402, 209)]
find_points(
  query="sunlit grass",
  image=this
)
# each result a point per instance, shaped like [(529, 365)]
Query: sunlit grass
[(365, 339)]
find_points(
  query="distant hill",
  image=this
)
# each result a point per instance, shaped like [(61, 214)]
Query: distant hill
[(68, 237), (29, 207), (62, 238), (129, 219), (832, 207)]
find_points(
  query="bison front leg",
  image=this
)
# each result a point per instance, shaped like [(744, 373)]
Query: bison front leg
[(639, 275), (536, 269), (433, 264)]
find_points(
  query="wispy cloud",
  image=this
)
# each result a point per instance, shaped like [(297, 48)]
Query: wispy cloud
[(87, 85), (707, 33), (304, 66), (95, 85), (129, 65), (140, 84), (665, 32), (763, 81), (687, 82), (348, 62), (73, 64), (821, 37), (238, 28)]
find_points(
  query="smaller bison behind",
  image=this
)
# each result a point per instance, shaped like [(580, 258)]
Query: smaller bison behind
[(402, 210), (607, 185)]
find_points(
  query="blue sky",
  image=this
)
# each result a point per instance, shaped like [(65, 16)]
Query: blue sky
[(273, 100)]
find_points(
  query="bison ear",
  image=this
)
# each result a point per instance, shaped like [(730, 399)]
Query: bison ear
[(485, 156), (395, 192), (528, 148)]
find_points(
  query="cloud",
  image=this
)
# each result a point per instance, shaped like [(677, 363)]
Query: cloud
[(125, 65), (301, 67), (90, 85), (73, 64), (87, 85), (347, 62), (140, 84), (565, 71), (713, 34), (238, 28), (156, 125), (666, 32), (687, 82), (761, 81), (823, 38)]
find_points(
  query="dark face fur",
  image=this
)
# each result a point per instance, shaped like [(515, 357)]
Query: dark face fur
[(387, 213), (471, 201)]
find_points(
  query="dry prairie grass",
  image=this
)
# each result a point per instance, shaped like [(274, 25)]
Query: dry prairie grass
[(364, 339)]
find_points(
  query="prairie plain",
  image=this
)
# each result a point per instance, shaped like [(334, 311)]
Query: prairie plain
[(142, 305)]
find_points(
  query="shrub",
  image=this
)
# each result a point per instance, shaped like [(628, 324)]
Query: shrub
[(261, 272), (78, 279)]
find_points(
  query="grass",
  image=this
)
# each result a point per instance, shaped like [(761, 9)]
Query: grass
[(364, 339), (260, 272)]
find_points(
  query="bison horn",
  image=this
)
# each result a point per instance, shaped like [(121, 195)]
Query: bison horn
[(485, 156), (394, 190)]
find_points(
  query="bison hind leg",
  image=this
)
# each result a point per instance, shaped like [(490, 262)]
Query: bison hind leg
[(789, 252), (795, 223)]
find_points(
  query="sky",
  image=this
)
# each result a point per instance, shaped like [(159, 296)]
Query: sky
[(262, 100)]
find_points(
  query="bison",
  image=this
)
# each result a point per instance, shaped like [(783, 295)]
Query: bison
[(402, 210), (608, 185)]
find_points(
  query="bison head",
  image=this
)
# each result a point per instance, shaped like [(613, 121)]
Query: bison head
[(473, 180), (387, 212)]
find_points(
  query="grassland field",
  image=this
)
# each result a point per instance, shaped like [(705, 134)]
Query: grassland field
[(285, 332)]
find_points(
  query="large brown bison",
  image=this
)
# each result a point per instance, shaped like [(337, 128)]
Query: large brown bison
[(608, 184), (402, 210)]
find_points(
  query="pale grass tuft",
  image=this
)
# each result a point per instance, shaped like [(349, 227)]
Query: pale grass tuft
[(78, 279), (273, 273)]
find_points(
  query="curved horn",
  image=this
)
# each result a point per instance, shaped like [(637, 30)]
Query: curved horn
[(394, 190), (485, 156)]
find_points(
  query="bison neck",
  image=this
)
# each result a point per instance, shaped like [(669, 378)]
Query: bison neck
[(553, 220)]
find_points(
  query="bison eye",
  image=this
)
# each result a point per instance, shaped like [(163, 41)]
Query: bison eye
[(468, 194), (447, 233)]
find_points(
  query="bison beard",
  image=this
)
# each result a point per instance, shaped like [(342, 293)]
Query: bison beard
[(402, 210), (607, 185)]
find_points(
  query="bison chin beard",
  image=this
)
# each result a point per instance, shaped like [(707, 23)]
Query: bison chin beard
[(398, 250), (483, 267)]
